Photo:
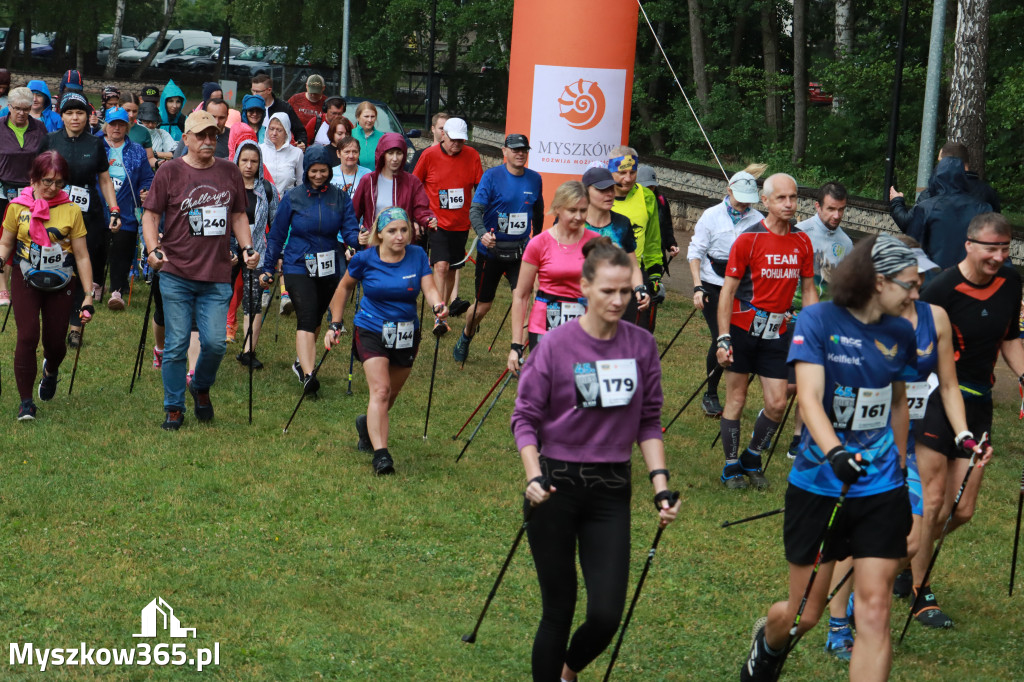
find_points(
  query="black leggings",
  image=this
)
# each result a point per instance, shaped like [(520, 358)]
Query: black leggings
[(122, 252), (591, 508), (711, 317), (97, 241), (311, 297)]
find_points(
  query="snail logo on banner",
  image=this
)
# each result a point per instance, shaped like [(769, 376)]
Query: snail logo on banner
[(576, 117)]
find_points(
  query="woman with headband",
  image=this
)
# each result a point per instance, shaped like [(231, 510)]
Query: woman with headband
[(387, 327), (846, 494)]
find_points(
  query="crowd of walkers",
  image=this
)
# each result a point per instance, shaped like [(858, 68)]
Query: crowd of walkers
[(889, 362)]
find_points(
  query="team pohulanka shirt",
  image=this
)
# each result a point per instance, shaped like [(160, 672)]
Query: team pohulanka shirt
[(508, 202), (982, 317), (861, 362), (769, 267), (390, 290), (449, 182)]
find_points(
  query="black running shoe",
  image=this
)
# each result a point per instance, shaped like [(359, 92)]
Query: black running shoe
[(760, 665), (712, 408), (173, 420), (297, 368), (47, 385), (203, 405), (383, 465), (363, 444), (751, 464), (247, 358), (732, 476), (311, 384), (927, 611), (27, 411), (904, 584), (458, 307)]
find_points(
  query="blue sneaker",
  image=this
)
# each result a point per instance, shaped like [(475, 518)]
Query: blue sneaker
[(732, 476), (839, 643), (461, 350), (849, 611), (47, 385)]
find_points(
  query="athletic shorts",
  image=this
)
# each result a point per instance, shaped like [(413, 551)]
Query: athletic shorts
[(488, 277), (368, 344), (311, 297), (935, 431), (754, 355), (873, 526), (914, 486), (448, 247)]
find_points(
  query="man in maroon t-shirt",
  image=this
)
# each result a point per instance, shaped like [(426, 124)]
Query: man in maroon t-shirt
[(766, 263), (202, 201)]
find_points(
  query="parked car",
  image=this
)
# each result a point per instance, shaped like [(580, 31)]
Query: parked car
[(387, 121), (254, 60), (209, 63), (175, 42), (103, 41), (185, 59)]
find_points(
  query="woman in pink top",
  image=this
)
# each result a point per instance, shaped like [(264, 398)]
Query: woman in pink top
[(555, 259)]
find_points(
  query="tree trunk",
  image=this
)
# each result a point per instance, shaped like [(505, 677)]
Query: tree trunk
[(168, 14), (655, 136), (770, 46), (700, 66), (110, 70), (799, 81), (966, 116), (844, 39), (739, 34)]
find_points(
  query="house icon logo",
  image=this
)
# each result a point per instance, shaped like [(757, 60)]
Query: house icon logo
[(159, 613)]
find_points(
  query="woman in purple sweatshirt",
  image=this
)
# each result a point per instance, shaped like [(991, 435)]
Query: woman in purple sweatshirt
[(588, 397)]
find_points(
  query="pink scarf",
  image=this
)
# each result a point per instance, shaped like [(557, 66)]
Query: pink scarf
[(40, 209)]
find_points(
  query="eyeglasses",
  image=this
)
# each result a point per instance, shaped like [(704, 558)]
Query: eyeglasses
[(208, 134), (52, 182), (23, 110), (906, 286)]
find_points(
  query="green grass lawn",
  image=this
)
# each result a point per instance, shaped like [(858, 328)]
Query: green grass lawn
[(288, 552)]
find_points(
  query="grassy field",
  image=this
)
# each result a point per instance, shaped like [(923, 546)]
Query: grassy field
[(286, 551)]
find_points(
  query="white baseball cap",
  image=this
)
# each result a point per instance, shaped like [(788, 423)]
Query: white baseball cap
[(456, 129), (744, 188)]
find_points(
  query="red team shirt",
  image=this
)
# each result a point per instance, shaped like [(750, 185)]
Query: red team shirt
[(449, 181), (769, 267)]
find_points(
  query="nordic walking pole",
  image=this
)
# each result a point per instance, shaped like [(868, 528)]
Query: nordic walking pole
[(83, 317), (303, 396), (137, 369), (793, 638), (1016, 535), (662, 356), (484, 418), (690, 400), (352, 349), (500, 326), (249, 274), (778, 432), (636, 593), (6, 316), (456, 436), (471, 637), (433, 372), (945, 529), (755, 517)]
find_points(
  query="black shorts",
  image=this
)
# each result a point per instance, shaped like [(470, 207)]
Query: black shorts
[(311, 297), (448, 247), (754, 355), (935, 431), (873, 526), (368, 344), (488, 277)]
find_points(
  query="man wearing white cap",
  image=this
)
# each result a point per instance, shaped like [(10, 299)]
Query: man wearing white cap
[(449, 172), (202, 200), (708, 255)]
